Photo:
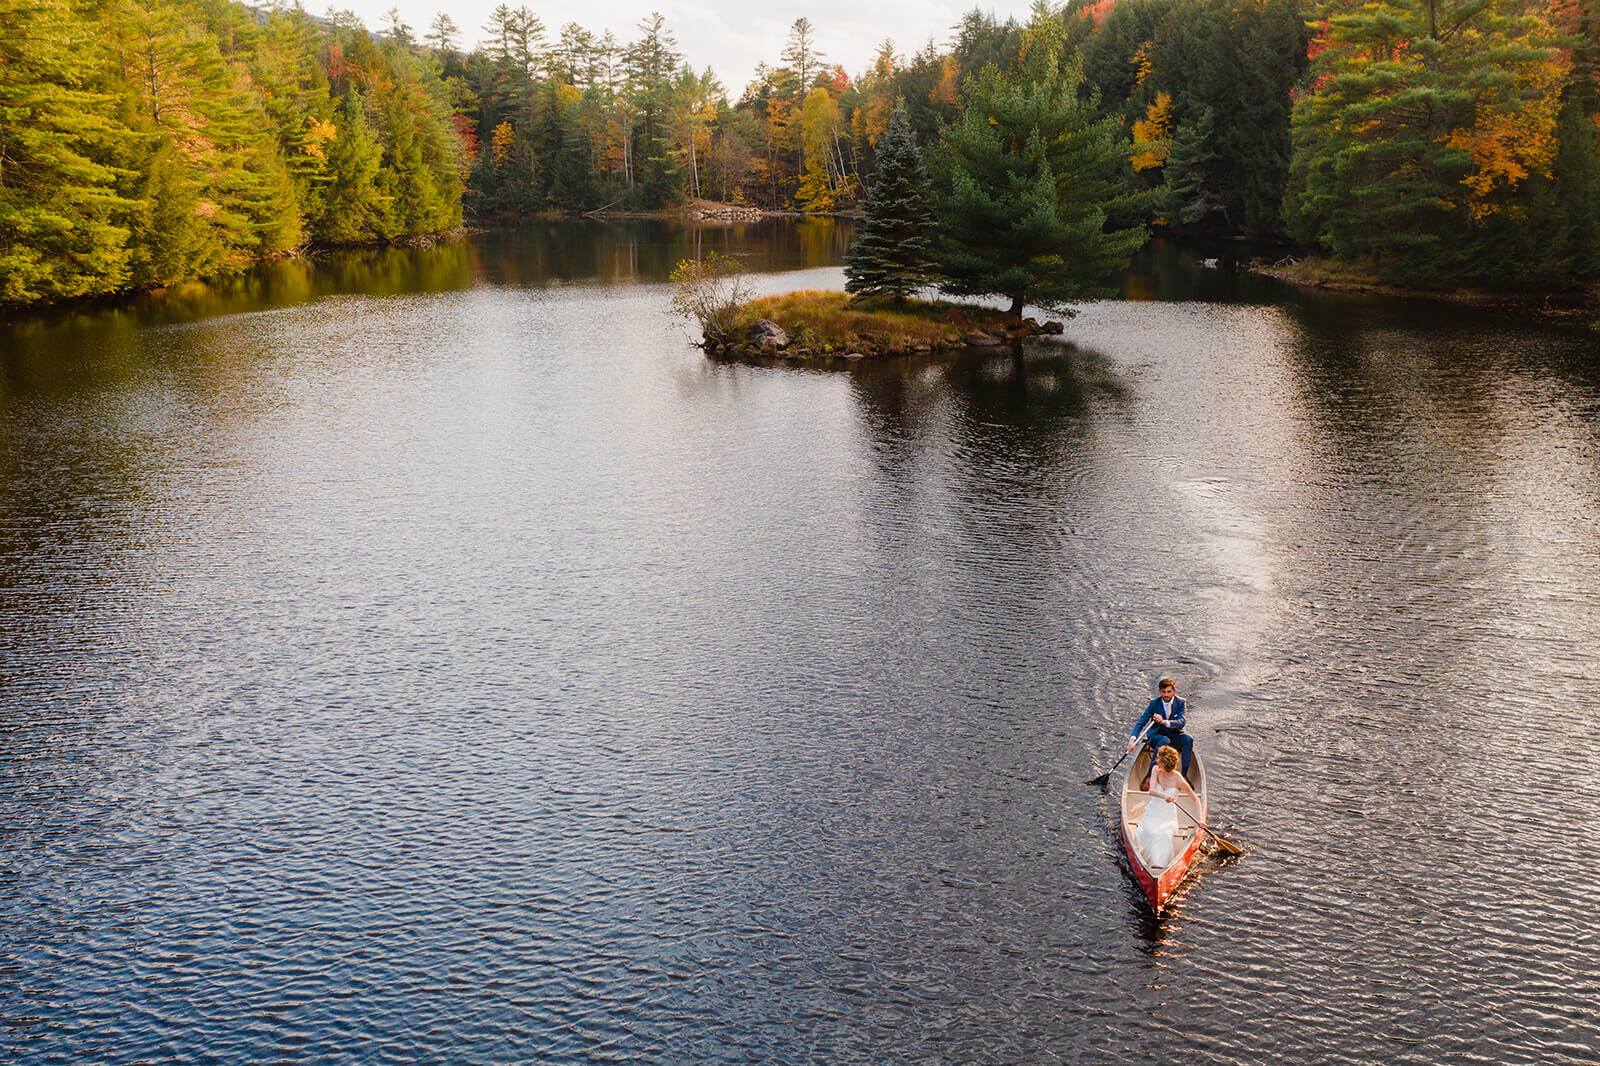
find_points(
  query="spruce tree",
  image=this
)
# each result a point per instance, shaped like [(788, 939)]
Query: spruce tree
[(1027, 176), (893, 256)]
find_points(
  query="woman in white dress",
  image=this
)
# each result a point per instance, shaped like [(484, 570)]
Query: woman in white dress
[(1153, 837)]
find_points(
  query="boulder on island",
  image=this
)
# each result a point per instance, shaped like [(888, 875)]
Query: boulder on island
[(766, 333), (979, 339)]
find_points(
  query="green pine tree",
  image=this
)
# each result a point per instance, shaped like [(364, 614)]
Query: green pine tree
[(893, 255), (63, 226), (1028, 176), (404, 178), (354, 209), (173, 238), (1384, 168), (1191, 197)]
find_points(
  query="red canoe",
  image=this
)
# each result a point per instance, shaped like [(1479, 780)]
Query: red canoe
[(1159, 885)]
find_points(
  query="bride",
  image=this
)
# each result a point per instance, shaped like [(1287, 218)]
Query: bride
[(1153, 837)]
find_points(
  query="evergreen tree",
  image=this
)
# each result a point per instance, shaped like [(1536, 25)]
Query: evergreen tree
[(442, 34), (295, 89), (893, 254), (354, 208), (1027, 177), (651, 62), (63, 227), (404, 179), (1241, 59), (146, 142), (205, 148), (801, 55), (1422, 124), (1190, 197), (172, 238)]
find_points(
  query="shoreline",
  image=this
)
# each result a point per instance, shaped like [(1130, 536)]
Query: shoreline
[(1326, 276)]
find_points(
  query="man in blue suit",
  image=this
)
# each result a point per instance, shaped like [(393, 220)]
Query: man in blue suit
[(1165, 716)]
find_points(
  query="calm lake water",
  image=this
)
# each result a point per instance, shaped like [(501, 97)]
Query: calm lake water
[(431, 656)]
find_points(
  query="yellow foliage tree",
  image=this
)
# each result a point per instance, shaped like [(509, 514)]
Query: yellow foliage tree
[(823, 180), (1152, 135), (1513, 133), (501, 142), (319, 131), (815, 194)]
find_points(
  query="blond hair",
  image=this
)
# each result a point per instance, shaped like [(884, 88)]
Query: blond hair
[(1167, 756)]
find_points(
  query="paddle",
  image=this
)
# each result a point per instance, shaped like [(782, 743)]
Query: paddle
[(1224, 845), (1105, 778)]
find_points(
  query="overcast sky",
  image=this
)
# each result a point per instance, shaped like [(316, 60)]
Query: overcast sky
[(728, 36)]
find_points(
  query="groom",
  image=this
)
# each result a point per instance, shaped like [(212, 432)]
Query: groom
[(1166, 718)]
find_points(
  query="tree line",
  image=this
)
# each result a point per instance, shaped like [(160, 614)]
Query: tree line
[(143, 142)]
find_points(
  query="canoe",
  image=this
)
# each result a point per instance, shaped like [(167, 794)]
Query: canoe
[(1159, 885)]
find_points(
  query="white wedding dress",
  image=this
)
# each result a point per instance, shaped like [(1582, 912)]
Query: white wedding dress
[(1153, 837)]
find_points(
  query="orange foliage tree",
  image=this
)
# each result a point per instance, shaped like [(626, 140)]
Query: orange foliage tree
[(1419, 122)]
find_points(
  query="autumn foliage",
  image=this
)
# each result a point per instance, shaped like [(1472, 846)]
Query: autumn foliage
[(1434, 142)]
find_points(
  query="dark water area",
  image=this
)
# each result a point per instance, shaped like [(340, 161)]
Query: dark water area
[(430, 656)]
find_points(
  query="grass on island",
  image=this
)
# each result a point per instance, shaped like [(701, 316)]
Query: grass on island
[(833, 323), (1316, 270)]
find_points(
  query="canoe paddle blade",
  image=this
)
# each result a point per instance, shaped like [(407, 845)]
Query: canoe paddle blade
[(1226, 846)]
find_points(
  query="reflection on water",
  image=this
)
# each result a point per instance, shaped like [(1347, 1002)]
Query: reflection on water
[(611, 252), (532, 254), (430, 655)]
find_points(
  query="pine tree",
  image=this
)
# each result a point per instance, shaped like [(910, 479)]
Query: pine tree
[(354, 209), (802, 56), (205, 147), (893, 255), (63, 227), (296, 99), (405, 178), (1027, 176), (1421, 124), (1190, 196), (651, 62), (1242, 60)]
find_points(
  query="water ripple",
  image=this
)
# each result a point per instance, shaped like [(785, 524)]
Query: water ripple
[(442, 676)]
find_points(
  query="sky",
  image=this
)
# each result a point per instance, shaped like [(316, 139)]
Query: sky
[(728, 36)]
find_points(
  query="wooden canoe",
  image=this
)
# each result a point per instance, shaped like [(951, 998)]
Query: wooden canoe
[(1159, 885)]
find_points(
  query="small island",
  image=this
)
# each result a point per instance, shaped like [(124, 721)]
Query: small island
[(1016, 207), (815, 324)]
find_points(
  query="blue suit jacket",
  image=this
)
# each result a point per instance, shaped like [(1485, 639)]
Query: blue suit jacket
[(1174, 724)]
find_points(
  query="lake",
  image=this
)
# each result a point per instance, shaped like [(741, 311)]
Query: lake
[(429, 655)]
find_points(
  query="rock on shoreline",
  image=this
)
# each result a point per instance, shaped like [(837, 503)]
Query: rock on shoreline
[(711, 211)]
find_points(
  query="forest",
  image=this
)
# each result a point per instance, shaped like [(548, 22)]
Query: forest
[(145, 142)]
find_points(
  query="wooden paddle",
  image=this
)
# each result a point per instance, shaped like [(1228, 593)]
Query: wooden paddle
[(1105, 778), (1224, 845)]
